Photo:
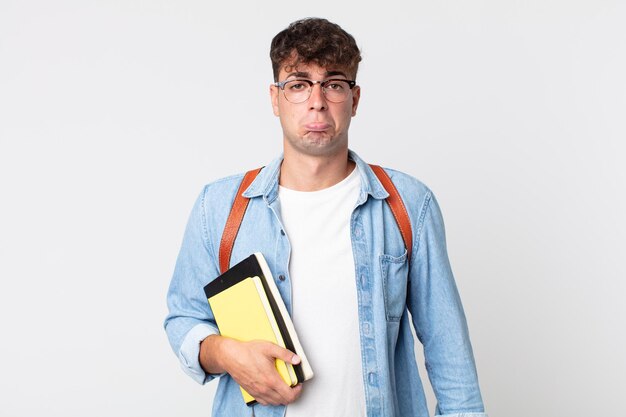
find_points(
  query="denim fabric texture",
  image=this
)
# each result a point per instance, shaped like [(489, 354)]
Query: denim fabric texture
[(388, 288)]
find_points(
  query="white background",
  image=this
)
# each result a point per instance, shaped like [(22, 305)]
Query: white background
[(113, 114)]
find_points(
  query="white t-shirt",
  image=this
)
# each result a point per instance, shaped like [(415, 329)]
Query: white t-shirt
[(325, 312)]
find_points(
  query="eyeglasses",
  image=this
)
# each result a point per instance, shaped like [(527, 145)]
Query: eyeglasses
[(299, 91)]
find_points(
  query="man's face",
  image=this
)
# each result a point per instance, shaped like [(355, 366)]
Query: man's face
[(315, 127)]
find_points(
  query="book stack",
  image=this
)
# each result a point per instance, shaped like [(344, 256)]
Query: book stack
[(247, 306)]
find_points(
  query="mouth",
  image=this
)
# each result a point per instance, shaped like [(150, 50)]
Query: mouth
[(317, 126)]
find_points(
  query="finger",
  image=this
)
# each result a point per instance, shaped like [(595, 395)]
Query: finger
[(287, 394), (283, 354), (275, 392), (296, 392), (262, 379), (269, 386), (283, 398)]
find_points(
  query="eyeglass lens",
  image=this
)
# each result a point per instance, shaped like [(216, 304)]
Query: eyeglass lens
[(299, 91)]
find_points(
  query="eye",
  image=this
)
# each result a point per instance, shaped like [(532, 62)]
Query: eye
[(335, 85), (297, 85)]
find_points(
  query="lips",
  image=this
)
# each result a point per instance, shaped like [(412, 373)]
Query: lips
[(317, 126)]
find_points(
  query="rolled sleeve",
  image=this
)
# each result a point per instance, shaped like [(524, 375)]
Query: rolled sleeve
[(189, 353)]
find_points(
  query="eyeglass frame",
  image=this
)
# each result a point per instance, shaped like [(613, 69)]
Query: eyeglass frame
[(281, 85)]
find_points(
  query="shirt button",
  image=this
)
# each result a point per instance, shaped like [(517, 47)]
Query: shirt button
[(366, 328), (372, 378), (357, 232), (281, 277)]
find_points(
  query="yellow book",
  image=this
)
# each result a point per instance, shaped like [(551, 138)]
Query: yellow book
[(243, 312)]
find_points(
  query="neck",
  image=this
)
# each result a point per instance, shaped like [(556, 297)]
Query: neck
[(312, 173)]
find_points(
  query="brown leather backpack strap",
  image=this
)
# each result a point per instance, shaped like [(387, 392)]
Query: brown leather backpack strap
[(238, 210), (397, 208), (235, 217)]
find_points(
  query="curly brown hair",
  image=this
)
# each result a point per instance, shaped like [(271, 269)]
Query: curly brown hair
[(318, 41)]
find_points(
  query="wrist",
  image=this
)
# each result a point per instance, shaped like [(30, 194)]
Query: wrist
[(211, 354)]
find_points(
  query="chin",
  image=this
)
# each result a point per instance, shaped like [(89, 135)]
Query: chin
[(319, 146)]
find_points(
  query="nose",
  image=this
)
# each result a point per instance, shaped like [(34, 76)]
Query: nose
[(317, 100)]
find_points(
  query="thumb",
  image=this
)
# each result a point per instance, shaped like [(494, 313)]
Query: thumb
[(285, 355)]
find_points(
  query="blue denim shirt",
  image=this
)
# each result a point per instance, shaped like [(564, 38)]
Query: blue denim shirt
[(388, 288)]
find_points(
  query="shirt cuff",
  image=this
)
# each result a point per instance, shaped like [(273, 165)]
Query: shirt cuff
[(190, 350)]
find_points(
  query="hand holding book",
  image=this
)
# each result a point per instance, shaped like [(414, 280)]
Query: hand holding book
[(252, 366)]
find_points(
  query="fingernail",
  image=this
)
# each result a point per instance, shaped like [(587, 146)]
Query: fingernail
[(295, 360)]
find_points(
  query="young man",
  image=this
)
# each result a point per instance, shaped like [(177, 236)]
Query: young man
[(319, 216)]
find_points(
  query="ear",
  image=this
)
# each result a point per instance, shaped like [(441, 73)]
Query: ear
[(356, 96), (274, 91)]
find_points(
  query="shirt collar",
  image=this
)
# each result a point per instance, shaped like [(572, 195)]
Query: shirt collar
[(266, 183)]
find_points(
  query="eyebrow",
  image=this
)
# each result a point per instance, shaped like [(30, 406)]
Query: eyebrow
[(302, 74)]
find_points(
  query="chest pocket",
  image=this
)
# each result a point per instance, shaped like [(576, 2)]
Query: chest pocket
[(395, 274)]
